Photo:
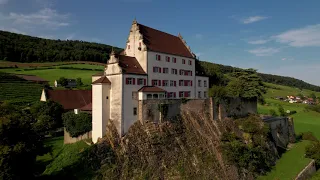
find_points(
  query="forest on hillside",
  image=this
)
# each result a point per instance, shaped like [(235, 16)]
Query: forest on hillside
[(217, 70), (22, 48)]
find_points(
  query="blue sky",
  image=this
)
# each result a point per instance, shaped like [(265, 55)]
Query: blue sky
[(278, 37)]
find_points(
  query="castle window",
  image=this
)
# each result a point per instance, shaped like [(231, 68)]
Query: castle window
[(181, 82), (190, 62), (158, 57), (155, 96), (130, 81), (199, 83), (174, 71), (157, 69), (168, 59), (165, 83), (199, 94), (204, 83), (183, 61), (155, 82), (187, 94), (166, 70), (134, 111), (181, 93), (172, 83), (149, 96), (181, 72), (205, 94), (174, 60)]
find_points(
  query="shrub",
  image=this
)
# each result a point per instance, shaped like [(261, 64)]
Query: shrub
[(281, 111), (77, 124), (308, 136), (313, 152), (315, 108), (272, 112)]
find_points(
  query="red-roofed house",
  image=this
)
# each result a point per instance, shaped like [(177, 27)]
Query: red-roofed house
[(69, 99), (154, 65)]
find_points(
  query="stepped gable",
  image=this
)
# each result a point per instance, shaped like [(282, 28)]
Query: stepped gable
[(159, 41)]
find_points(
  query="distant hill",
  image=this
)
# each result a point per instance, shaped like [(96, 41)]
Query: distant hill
[(275, 79), (22, 48)]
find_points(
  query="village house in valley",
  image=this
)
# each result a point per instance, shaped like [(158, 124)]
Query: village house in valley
[(153, 65)]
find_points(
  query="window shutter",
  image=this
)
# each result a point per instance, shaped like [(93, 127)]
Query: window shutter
[(159, 82), (133, 81), (162, 82), (144, 81), (159, 70), (127, 81), (175, 83), (159, 57), (191, 73), (174, 94), (191, 83)]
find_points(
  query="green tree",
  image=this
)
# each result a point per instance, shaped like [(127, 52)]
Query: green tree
[(313, 96), (79, 82), (19, 143), (217, 92), (246, 84), (77, 124), (281, 111), (48, 114), (62, 81)]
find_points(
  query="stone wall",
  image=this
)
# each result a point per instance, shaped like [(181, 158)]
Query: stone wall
[(148, 110), (68, 139), (307, 172), (282, 130)]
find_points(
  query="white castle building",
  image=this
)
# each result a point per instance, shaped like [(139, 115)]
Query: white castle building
[(154, 65)]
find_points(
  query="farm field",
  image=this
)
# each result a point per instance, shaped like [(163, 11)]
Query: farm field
[(290, 163), (54, 74), (45, 64)]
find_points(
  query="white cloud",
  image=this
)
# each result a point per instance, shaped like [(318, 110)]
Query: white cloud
[(253, 19), (283, 59), (45, 17), (260, 41), (262, 51), (44, 21), (303, 37), (3, 2), (198, 36)]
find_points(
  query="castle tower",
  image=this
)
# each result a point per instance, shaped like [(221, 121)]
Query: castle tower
[(100, 107)]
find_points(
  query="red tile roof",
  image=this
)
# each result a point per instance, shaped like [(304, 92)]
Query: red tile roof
[(70, 99), (103, 80), (151, 89), (130, 65), (87, 107), (159, 41), (31, 78)]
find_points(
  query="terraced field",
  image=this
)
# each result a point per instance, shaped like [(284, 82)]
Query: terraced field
[(14, 89)]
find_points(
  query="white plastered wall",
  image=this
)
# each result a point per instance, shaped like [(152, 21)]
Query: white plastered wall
[(152, 62), (100, 110), (202, 89)]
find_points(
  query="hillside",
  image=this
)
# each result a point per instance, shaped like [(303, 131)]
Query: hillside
[(22, 48), (269, 78), (17, 90)]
